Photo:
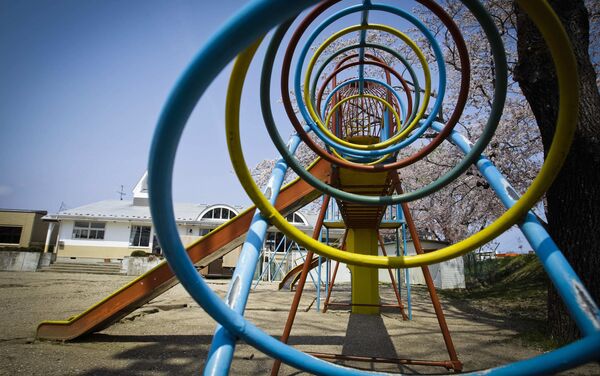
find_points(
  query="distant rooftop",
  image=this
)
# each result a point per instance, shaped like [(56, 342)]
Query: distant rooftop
[(138, 209), (119, 210), (43, 212)]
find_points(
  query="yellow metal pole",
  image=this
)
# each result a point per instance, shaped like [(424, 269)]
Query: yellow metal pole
[(365, 280)]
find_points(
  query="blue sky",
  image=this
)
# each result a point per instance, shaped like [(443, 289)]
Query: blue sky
[(83, 83)]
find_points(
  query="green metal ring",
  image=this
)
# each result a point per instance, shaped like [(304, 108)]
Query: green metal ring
[(501, 80)]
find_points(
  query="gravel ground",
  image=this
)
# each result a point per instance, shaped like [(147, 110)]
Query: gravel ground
[(172, 334)]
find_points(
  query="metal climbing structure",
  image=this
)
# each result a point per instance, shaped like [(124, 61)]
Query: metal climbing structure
[(360, 122)]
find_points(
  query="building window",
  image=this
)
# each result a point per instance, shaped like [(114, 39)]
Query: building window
[(295, 218), (10, 234), (205, 231), (88, 230), (219, 213), (140, 236)]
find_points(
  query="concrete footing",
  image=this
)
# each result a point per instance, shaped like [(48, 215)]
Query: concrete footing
[(138, 265), (19, 261)]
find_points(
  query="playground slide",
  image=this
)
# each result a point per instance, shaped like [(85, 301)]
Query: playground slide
[(160, 279), (291, 278)]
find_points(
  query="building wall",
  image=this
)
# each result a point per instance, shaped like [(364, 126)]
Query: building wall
[(114, 245), (33, 233), (230, 259), (453, 274), (446, 275), (97, 252), (116, 240), (187, 240), (39, 231)]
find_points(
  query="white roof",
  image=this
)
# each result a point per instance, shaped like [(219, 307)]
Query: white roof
[(124, 210)]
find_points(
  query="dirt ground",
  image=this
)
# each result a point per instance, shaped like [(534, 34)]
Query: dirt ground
[(172, 334)]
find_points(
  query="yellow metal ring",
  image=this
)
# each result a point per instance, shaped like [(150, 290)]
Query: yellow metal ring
[(383, 101), (558, 43), (326, 43)]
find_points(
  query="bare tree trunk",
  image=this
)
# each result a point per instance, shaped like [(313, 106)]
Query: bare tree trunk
[(573, 202)]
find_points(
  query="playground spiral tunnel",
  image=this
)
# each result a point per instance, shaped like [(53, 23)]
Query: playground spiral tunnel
[(355, 110)]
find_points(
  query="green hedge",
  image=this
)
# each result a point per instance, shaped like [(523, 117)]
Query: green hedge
[(139, 253)]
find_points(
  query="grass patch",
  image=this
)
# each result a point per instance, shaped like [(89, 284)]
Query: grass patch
[(518, 292), (537, 337)]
